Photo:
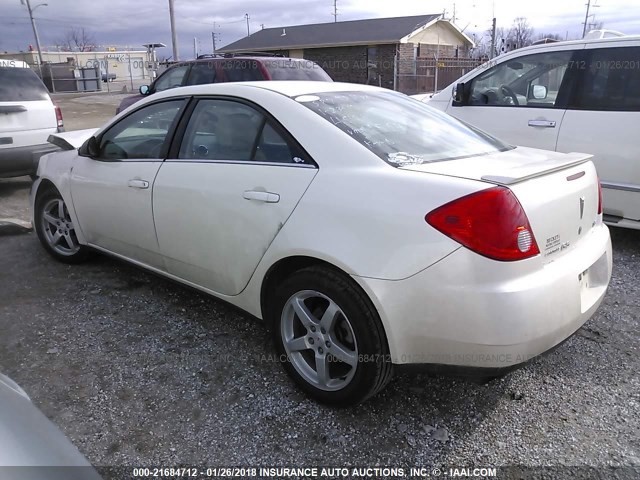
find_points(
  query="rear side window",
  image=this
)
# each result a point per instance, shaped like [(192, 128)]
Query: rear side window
[(610, 81), (21, 85), (286, 69)]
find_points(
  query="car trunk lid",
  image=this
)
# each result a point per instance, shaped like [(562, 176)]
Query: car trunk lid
[(558, 192)]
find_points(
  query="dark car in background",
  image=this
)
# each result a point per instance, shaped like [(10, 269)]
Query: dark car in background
[(219, 69)]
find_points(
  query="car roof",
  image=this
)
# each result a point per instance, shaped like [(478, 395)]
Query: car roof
[(582, 41), (290, 88)]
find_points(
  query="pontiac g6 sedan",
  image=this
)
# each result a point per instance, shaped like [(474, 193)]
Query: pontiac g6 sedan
[(367, 229)]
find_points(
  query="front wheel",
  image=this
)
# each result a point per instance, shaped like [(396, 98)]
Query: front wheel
[(56, 230), (330, 337)]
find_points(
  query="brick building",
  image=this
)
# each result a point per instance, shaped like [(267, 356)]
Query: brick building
[(381, 51)]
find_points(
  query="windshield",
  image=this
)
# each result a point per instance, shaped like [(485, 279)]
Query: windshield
[(399, 129), (287, 69), (20, 85)]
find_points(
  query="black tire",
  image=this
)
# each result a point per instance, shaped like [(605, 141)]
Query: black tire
[(75, 253), (373, 369)]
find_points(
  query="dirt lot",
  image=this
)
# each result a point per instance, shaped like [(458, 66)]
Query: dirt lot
[(140, 371)]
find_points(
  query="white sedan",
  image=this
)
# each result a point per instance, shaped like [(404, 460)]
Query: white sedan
[(369, 230)]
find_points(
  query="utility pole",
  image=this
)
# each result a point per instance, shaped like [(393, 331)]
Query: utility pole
[(246, 15), (493, 39), (586, 17), (335, 11), (35, 30), (213, 37), (174, 37), (195, 47)]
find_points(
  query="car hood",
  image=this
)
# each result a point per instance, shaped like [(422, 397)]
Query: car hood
[(71, 140)]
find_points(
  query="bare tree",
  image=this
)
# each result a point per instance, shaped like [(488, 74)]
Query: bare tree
[(521, 33), (77, 40)]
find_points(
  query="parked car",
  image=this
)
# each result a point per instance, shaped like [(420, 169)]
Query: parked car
[(368, 229), (580, 95), (29, 439), (220, 69), (27, 118), (108, 77)]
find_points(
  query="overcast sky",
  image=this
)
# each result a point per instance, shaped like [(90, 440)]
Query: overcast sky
[(134, 22)]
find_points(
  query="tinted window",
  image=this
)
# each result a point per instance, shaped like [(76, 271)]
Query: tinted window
[(20, 85), (610, 80), (400, 130), (241, 70), (172, 78), (287, 69), (228, 130), (140, 135), (529, 81), (201, 73)]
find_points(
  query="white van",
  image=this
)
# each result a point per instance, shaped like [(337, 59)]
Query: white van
[(576, 96), (27, 118)]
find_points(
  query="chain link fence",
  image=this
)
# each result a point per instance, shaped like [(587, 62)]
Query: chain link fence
[(427, 75)]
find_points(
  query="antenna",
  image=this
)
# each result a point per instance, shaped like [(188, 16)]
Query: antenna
[(335, 10)]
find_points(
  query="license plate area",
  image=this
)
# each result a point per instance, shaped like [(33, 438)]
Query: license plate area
[(593, 282)]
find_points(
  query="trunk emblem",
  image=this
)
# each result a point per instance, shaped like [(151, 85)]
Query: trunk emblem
[(581, 207)]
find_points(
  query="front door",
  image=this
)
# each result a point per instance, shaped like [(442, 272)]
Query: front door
[(112, 192), (521, 101)]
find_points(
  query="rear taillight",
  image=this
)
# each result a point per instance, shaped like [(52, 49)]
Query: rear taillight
[(491, 223), (59, 117), (599, 197)]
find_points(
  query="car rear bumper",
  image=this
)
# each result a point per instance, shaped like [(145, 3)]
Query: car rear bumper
[(18, 161), (469, 311)]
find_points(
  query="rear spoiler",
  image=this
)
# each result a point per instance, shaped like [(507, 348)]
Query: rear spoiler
[(523, 173), (71, 140)]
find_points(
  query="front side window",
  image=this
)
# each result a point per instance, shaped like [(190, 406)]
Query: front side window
[(172, 78), (229, 130), (140, 135), (610, 80), (529, 81), (400, 130), (21, 85), (202, 73)]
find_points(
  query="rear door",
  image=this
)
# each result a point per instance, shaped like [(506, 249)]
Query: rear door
[(521, 100), (27, 115), (231, 183), (603, 118)]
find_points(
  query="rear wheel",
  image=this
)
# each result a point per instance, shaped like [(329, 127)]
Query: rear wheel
[(330, 337), (56, 230)]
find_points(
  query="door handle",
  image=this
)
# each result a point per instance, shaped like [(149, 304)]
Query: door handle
[(266, 197), (542, 123), (142, 184)]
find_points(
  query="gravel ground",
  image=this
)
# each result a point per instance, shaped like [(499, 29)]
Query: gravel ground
[(137, 370)]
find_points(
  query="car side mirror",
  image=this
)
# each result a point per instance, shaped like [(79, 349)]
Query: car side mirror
[(458, 94), (144, 89), (89, 148), (539, 92)]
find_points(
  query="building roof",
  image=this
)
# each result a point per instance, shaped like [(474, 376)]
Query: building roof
[(357, 32)]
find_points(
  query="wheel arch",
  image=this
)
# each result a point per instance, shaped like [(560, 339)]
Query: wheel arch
[(286, 266)]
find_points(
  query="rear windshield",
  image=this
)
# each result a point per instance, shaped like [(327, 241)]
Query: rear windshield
[(21, 85), (399, 129), (286, 69)]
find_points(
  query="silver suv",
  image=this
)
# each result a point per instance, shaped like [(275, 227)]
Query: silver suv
[(27, 118)]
